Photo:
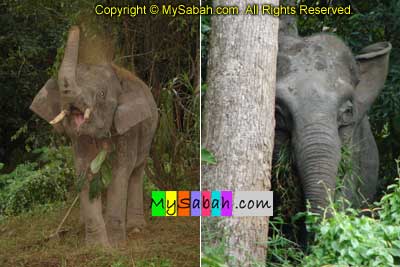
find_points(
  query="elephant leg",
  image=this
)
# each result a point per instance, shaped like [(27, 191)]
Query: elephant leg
[(116, 208), (90, 213), (81, 216), (134, 213), (94, 223)]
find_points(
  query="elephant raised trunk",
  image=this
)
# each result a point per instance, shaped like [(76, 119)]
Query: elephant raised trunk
[(317, 153), (67, 72)]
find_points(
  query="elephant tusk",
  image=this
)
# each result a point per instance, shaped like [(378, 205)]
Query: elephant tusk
[(59, 117), (86, 115)]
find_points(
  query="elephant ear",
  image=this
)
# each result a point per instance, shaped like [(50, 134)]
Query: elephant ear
[(46, 103), (374, 65), (133, 106)]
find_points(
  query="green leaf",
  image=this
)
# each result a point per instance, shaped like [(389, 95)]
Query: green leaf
[(96, 187), (298, 216), (1, 165), (212, 260), (204, 88), (95, 165), (106, 174), (207, 157)]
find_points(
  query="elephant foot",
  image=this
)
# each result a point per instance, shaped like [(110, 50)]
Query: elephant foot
[(116, 232), (136, 223), (117, 238), (97, 238)]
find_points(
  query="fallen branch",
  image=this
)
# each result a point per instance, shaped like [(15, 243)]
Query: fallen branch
[(64, 219)]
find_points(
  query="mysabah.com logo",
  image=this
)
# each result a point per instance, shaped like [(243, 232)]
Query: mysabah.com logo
[(212, 203)]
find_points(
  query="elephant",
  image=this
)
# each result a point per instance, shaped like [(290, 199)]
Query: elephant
[(323, 94), (103, 107)]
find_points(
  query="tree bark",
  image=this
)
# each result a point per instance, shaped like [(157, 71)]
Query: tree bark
[(239, 122)]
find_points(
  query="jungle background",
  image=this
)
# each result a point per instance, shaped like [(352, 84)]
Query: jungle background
[(369, 237), (37, 181)]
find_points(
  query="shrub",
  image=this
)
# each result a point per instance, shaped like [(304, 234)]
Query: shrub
[(390, 203), (31, 184), (369, 237), (350, 238)]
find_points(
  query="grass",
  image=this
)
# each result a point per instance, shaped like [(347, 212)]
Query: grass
[(164, 242)]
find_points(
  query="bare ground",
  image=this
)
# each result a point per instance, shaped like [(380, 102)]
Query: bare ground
[(165, 242)]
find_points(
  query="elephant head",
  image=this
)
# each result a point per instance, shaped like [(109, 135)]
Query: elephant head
[(90, 100), (323, 94)]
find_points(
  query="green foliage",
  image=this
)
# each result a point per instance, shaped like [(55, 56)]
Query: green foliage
[(357, 30), (288, 196), (175, 152), (119, 263), (155, 262), (283, 248), (346, 172), (213, 244), (212, 259), (282, 252), (101, 174), (31, 184), (31, 33), (207, 157), (346, 163), (97, 162), (213, 249), (100, 180), (352, 239), (348, 238), (390, 203)]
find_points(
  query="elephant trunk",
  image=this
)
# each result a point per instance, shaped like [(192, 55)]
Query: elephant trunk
[(67, 72), (317, 150)]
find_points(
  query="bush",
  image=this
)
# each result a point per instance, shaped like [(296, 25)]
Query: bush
[(353, 239), (31, 184), (369, 237)]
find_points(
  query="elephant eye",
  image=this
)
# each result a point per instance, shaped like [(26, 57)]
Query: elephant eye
[(102, 94), (346, 114), (281, 123)]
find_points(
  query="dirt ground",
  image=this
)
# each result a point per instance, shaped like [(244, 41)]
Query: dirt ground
[(165, 242)]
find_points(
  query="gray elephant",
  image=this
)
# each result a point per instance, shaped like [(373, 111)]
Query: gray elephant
[(103, 107), (323, 94)]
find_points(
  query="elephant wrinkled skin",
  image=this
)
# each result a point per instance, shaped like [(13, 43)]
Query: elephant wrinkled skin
[(323, 94), (103, 107)]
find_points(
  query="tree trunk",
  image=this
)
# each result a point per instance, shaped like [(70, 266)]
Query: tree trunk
[(239, 122)]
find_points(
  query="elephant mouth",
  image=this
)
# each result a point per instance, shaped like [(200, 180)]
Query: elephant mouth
[(78, 116)]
